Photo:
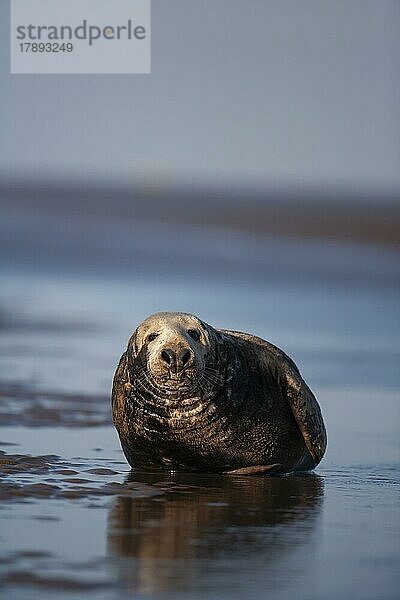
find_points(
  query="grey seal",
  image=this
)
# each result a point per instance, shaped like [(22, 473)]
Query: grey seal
[(189, 396)]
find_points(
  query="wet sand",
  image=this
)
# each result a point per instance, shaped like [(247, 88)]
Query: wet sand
[(75, 521)]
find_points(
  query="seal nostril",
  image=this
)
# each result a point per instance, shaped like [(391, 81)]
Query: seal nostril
[(166, 357), (185, 357)]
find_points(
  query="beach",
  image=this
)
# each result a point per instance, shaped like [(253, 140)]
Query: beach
[(80, 269)]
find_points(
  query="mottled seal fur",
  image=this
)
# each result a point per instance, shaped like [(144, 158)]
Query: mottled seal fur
[(188, 396)]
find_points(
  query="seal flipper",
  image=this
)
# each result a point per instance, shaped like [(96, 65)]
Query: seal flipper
[(293, 388), (257, 470), (305, 409)]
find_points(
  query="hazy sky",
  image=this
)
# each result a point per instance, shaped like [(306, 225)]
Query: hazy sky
[(245, 91)]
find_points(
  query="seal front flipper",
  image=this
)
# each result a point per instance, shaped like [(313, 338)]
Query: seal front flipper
[(305, 409), (257, 470)]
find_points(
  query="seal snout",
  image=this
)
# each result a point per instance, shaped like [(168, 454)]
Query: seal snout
[(176, 359)]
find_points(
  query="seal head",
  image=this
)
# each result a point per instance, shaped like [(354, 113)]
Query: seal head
[(173, 362), (172, 356), (186, 395)]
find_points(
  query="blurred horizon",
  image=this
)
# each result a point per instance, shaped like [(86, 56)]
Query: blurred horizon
[(357, 216)]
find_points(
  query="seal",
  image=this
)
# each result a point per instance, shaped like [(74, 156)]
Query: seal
[(189, 396)]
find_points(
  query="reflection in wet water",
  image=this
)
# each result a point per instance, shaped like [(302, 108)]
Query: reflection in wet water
[(169, 542)]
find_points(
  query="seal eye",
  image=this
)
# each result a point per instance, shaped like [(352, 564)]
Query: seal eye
[(152, 336), (194, 334)]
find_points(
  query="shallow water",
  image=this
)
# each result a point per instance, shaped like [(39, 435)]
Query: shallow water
[(74, 519)]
